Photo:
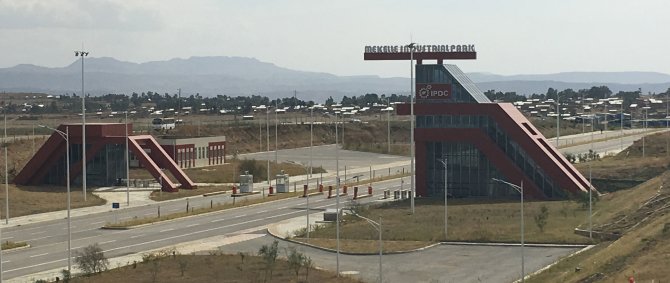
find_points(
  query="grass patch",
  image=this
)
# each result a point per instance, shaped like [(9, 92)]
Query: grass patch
[(365, 246), (211, 268), (229, 173), (27, 200), (8, 245)]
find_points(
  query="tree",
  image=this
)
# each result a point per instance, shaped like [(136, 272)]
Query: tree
[(269, 255), (542, 217), (295, 260), (91, 259)]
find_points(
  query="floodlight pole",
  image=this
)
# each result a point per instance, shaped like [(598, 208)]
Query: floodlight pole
[(83, 54), (276, 123), (621, 117), (411, 115), (377, 226), (520, 190), (388, 127)]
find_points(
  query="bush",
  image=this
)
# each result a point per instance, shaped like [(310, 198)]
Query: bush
[(542, 217), (91, 259), (269, 255)]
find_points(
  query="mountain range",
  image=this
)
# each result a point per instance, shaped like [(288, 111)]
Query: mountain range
[(235, 76)]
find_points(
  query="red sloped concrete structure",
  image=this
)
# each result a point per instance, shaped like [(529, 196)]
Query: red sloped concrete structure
[(516, 127), (98, 135)]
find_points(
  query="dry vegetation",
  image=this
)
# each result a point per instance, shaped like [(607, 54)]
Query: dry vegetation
[(210, 268)]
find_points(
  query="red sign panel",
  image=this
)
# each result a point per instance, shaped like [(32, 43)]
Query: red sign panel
[(433, 91)]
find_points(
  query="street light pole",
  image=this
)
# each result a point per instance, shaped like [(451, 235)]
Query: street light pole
[(267, 134), (444, 162), (66, 137), (411, 115), (83, 54), (6, 177), (311, 141), (127, 165), (337, 197), (621, 117), (377, 226), (590, 184), (388, 126), (276, 123), (558, 120), (520, 190)]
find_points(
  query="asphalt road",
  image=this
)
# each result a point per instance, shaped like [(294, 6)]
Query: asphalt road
[(48, 239), (444, 263)]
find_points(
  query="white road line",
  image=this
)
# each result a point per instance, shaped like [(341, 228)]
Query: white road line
[(136, 236), (262, 211), (283, 207), (39, 255), (150, 213), (191, 225), (166, 230), (8, 238), (6, 261), (107, 242), (41, 232), (217, 220), (99, 222)]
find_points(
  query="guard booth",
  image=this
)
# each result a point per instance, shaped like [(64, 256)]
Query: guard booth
[(282, 182), (246, 182)]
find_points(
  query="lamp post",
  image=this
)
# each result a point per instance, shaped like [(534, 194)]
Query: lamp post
[(127, 164), (276, 123), (83, 54), (411, 115), (558, 120), (6, 176), (337, 197), (388, 125), (520, 190), (590, 185), (444, 162), (267, 136), (66, 137), (378, 227)]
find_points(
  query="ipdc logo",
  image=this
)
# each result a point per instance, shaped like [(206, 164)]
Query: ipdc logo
[(434, 91)]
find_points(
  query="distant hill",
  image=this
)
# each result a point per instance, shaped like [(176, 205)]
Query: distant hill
[(234, 76), (208, 76)]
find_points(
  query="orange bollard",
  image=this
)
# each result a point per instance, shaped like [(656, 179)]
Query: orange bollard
[(234, 190), (271, 189), (355, 192), (330, 191), (345, 189), (304, 191), (369, 190), (321, 188)]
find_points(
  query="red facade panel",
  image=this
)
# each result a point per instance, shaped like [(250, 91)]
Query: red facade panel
[(517, 127)]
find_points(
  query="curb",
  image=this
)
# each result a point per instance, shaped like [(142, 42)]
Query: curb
[(27, 246), (275, 234)]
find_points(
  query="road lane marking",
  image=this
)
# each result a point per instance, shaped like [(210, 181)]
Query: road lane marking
[(136, 236), (107, 242), (39, 255), (191, 225), (216, 220), (8, 238), (99, 222), (166, 230), (41, 232), (262, 211), (6, 261)]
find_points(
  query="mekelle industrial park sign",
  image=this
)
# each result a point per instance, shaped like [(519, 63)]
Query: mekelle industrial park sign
[(419, 48), (433, 91)]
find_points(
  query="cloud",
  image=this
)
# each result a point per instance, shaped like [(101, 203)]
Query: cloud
[(77, 14)]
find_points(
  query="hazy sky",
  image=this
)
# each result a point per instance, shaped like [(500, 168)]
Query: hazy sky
[(511, 37)]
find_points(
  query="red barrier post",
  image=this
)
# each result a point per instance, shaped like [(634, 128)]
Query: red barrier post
[(234, 190), (330, 191), (355, 192), (369, 190), (271, 189), (321, 188), (304, 191), (345, 189)]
